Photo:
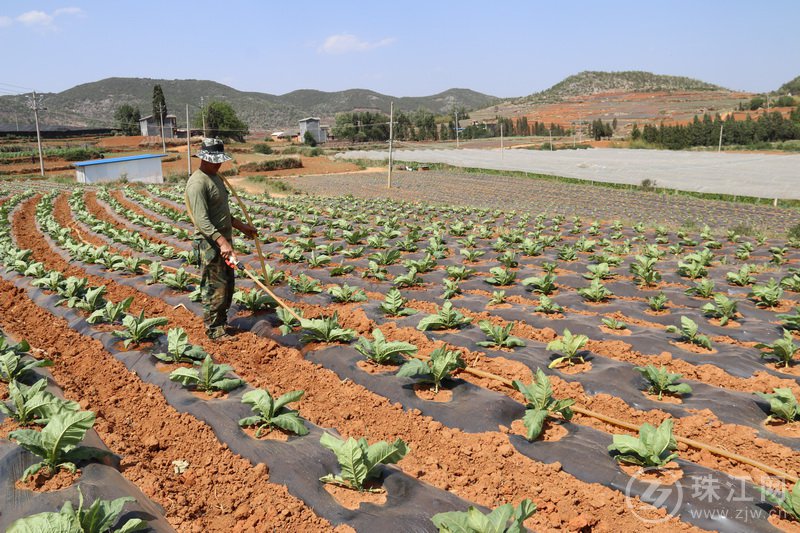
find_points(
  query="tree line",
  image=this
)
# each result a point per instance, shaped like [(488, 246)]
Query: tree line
[(769, 127)]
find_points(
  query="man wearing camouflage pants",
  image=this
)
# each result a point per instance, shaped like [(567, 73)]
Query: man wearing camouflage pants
[(207, 202)]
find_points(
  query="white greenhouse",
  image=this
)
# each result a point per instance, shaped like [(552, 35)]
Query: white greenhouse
[(135, 168)]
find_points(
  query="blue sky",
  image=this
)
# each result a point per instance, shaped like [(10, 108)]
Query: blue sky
[(409, 48)]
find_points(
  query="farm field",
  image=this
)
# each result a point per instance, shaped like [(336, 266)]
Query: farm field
[(506, 344), (726, 173)]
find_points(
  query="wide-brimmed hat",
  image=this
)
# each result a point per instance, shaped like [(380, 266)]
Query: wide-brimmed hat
[(213, 151)]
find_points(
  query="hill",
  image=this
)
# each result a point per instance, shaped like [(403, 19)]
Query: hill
[(792, 87), (593, 82), (93, 104)]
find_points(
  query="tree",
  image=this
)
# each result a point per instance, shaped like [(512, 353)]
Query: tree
[(425, 122), (127, 118), (308, 139), (635, 133), (222, 121), (361, 126), (159, 103)]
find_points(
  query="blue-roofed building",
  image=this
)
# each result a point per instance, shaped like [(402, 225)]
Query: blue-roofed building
[(140, 168)]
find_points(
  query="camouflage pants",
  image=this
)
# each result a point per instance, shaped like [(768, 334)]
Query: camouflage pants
[(216, 284)]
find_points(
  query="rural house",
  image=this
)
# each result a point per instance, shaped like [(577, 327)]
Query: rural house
[(312, 125), (150, 125), (139, 168)]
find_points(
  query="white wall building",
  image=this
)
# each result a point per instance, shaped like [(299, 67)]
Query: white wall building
[(139, 168), (151, 126), (312, 125)]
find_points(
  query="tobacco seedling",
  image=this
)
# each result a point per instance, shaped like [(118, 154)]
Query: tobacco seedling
[(179, 350), (497, 521), (541, 404), (32, 404), (12, 365), (451, 288), (359, 461), (723, 309), (316, 261), (53, 281), (570, 346), (460, 272), (651, 449), (788, 502), (92, 300), (374, 270), (499, 336), (254, 300), (57, 443), (346, 294), (662, 381), (768, 295), (547, 306), (156, 272), (73, 291), (741, 278), (382, 352), (595, 292), (644, 272), (99, 517), (446, 318), (139, 329), (498, 297), (471, 256), (206, 376), (689, 333), (440, 366), (272, 412), (394, 304), (288, 322), (111, 313), (791, 322), (501, 276), (792, 282), (303, 284), (782, 349), (613, 323), (658, 302), (543, 285), (273, 275), (598, 271), (782, 404), (341, 269), (325, 329)]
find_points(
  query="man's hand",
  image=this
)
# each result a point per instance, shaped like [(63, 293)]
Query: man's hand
[(249, 231), (225, 248)]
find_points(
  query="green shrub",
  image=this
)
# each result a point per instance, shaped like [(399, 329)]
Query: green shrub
[(272, 164), (262, 149)]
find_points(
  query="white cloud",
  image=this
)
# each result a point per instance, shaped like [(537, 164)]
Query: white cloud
[(40, 19), (36, 18), (344, 43)]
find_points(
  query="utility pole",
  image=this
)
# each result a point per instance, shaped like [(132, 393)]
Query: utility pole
[(456, 128), (551, 139), (501, 139), (34, 104), (161, 117), (188, 143), (203, 114), (721, 125), (391, 141)]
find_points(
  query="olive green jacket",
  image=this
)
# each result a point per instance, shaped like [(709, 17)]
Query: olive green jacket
[(207, 202)]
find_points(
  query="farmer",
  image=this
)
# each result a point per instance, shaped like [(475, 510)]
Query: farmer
[(207, 203)]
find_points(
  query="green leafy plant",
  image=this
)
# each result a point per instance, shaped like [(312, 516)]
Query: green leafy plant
[(139, 329), (644, 272), (544, 285), (501, 277), (569, 346), (440, 366), (471, 256), (271, 276), (446, 318), (386, 257), (288, 321), (100, 517), (206, 376), (33, 404), (788, 502), (303, 284), (451, 288), (272, 412), (92, 299), (325, 329), (703, 288), (359, 461), (499, 336), (14, 365), (394, 304), (112, 313), (346, 294), (598, 271), (651, 449), (782, 349), (382, 352), (459, 272), (254, 300), (782, 404), (52, 281), (791, 282), (723, 309), (741, 278), (498, 297), (689, 333), (374, 270), (541, 404), (156, 272), (595, 292), (662, 381), (73, 291), (613, 323), (768, 295), (57, 443), (179, 349), (178, 280), (547, 306), (497, 521), (791, 322), (658, 302)]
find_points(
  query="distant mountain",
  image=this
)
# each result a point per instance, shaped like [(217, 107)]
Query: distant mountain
[(93, 104), (792, 87), (592, 82)]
